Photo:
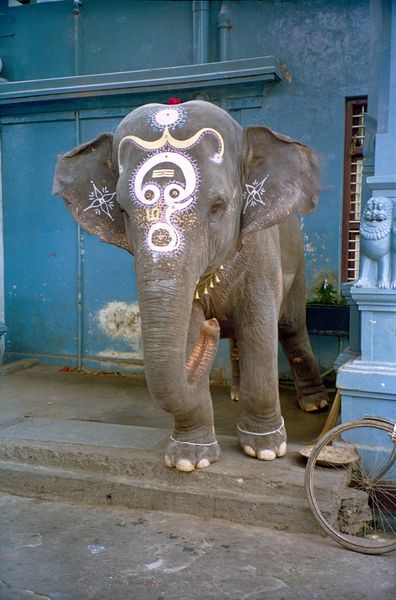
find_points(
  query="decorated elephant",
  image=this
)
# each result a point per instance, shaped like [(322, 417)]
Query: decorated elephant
[(208, 209)]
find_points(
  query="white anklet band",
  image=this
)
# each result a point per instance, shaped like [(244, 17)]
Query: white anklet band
[(192, 443), (266, 433)]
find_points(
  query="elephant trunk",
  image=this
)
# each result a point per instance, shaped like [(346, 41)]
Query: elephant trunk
[(165, 308), (204, 350)]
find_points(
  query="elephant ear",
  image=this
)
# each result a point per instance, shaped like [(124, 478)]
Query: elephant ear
[(281, 176), (86, 180)]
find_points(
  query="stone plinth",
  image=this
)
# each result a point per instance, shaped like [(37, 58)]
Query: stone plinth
[(367, 384), (353, 349)]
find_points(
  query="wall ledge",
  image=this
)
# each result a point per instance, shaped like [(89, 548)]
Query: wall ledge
[(202, 76)]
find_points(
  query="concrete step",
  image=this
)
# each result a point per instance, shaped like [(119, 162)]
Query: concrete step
[(100, 463)]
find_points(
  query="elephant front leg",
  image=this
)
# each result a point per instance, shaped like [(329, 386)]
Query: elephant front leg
[(193, 444), (261, 429)]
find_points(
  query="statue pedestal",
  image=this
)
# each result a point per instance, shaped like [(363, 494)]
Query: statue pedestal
[(353, 349), (367, 384)]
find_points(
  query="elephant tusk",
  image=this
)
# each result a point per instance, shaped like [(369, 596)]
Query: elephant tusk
[(201, 357)]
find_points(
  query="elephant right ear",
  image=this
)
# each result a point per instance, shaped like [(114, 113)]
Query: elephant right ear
[(86, 180), (281, 177)]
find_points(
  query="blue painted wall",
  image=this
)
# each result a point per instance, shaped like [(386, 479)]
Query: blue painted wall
[(323, 50)]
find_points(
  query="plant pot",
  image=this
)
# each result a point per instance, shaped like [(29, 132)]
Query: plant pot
[(328, 319)]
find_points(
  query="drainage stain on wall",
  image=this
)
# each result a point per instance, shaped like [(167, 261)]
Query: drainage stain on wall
[(121, 322)]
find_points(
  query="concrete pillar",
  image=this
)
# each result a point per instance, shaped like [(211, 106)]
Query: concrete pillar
[(367, 383), (2, 325)]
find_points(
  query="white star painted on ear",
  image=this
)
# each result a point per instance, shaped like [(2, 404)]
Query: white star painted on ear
[(254, 192), (102, 201)]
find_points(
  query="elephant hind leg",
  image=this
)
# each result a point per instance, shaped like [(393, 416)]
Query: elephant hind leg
[(311, 393), (293, 336), (234, 355)]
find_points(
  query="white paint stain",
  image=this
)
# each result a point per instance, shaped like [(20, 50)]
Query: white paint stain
[(96, 548), (309, 248), (154, 565), (120, 320), (114, 354), (28, 540)]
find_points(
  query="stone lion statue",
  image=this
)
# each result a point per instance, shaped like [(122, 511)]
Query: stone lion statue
[(376, 244)]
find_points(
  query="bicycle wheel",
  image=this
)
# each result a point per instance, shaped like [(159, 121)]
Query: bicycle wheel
[(350, 482)]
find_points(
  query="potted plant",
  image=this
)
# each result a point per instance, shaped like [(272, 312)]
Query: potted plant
[(327, 312)]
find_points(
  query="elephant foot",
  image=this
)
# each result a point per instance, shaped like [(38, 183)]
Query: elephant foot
[(234, 393), (314, 402), (267, 445), (188, 456)]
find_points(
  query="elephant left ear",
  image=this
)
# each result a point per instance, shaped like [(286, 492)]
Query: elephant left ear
[(281, 177), (86, 179)]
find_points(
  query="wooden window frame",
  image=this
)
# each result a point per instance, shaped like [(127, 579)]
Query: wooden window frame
[(353, 151)]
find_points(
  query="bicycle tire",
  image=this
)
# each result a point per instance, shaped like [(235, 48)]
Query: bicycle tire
[(353, 491)]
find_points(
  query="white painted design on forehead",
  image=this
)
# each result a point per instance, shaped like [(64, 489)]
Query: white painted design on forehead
[(162, 201), (171, 117), (168, 139), (184, 194), (167, 116), (175, 196)]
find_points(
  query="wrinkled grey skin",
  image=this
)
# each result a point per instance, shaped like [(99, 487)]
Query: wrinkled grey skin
[(261, 286)]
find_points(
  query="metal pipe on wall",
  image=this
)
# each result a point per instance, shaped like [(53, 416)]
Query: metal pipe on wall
[(80, 236), (224, 31), (200, 11)]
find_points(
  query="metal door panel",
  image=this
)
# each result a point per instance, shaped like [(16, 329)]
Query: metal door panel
[(40, 243), (110, 317)]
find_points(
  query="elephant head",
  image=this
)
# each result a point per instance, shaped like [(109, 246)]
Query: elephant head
[(183, 187)]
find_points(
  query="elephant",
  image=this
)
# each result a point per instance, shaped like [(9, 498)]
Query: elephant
[(209, 210)]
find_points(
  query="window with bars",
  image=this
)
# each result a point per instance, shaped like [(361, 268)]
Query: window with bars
[(353, 168)]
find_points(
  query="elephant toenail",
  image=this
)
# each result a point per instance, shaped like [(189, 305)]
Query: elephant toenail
[(249, 451), (323, 403), (184, 465), (282, 449), (266, 455), (168, 461), (203, 463)]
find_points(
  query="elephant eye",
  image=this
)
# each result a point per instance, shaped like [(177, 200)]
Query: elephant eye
[(216, 210)]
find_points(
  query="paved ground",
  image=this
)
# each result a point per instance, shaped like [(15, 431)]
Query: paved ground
[(59, 551), (71, 432), (71, 395), (94, 438)]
